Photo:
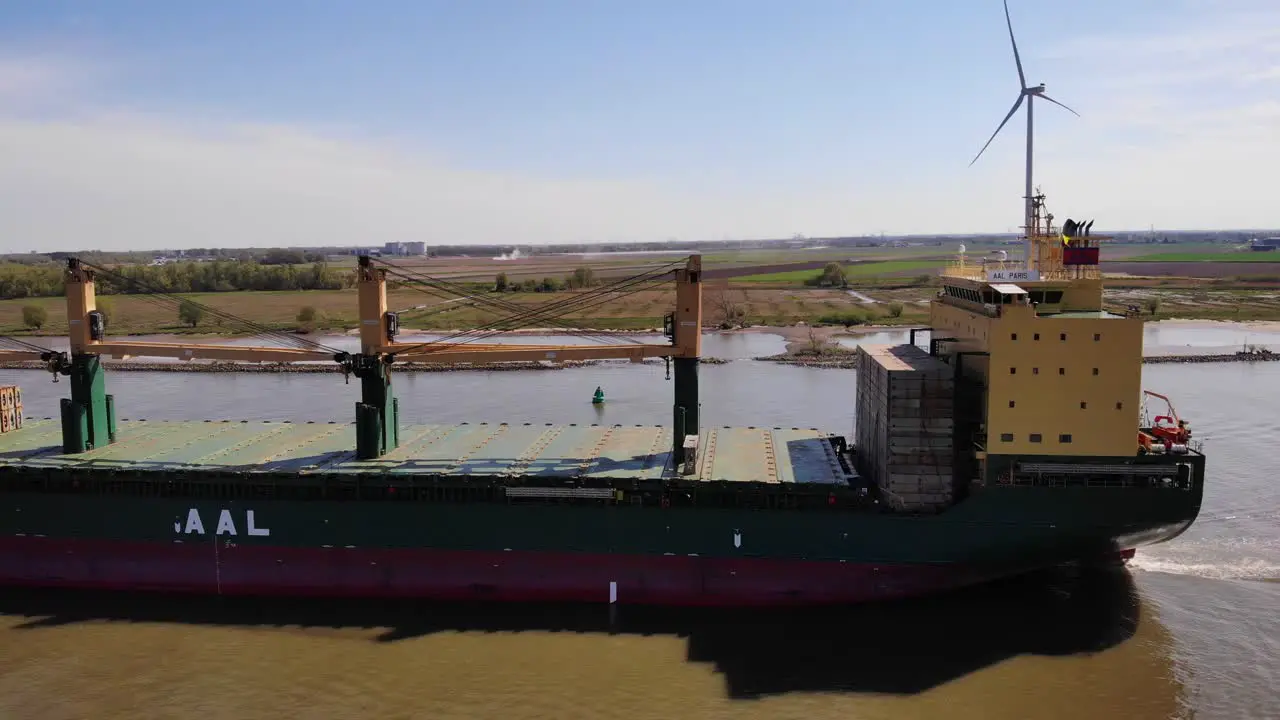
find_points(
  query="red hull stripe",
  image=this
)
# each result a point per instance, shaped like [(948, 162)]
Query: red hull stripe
[(210, 568)]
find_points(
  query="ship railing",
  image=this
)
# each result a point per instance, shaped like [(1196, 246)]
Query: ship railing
[(968, 270), (1073, 272)]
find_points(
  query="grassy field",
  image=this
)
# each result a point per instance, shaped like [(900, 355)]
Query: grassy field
[(763, 288), (131, 314), (1237, 256), (1223, 271), (134, 314), (1201, 303), (869, 269)]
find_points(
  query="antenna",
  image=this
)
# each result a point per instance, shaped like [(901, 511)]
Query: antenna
[(1028, 94)]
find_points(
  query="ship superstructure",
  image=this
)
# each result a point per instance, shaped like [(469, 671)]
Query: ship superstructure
[(1049, 380)]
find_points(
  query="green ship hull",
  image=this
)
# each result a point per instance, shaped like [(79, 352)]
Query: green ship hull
[(547, 513)]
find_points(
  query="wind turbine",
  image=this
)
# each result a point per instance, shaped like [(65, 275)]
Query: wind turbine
[(1029, 94)]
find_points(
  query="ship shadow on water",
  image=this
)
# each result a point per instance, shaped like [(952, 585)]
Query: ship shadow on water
[(902, 647)]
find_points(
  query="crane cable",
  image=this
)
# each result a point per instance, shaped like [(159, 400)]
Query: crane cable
[(152, 293), (544, 311), (508, 306), (23, 345), (627, 286), (495, 304), (561, 308)]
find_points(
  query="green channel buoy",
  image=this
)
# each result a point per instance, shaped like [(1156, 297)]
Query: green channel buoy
[(598, 398)]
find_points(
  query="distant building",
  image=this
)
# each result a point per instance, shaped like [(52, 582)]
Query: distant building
[(1266, 244), (405, 248)]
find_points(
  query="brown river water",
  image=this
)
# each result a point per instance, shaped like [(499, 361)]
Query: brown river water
[(1190, 630)]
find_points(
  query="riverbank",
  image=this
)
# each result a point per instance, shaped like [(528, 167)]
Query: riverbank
[(798, 334), (322, 367), (817, 346), (845, 360), (1242, 356)]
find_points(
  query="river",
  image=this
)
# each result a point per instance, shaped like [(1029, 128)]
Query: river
[(1190, 630)]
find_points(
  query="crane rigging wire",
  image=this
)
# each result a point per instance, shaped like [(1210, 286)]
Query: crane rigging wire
[(544, 311), (519, 315), (463, 338), (486, 301), (22, 345), (415, 279), (152, 294), (625, 287), (451, 287)]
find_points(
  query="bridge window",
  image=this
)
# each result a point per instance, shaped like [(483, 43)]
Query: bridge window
[(1012, 403), (1036, 336), (1013, 371), (1013, 336), (1064, 438), (1035, 437), (1119, 406), (1062, 371), (1084, 405), (1035, 371), (1097, 337), (1006, 437), (1095, 371), (1062, 337)]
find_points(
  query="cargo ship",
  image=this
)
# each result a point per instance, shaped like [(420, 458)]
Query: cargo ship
[(1011, 439)]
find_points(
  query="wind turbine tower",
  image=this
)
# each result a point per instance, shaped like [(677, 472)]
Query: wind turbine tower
[(1029, 94)]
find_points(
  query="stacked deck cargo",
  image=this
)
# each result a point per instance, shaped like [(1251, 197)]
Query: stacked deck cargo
[(10, 408), (904, 426)]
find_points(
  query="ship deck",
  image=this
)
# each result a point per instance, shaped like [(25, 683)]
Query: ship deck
[(528, 454)]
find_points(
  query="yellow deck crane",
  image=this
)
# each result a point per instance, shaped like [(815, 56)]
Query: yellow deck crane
[(89, 418)]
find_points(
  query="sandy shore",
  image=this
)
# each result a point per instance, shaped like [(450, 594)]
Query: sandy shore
[(799, 337), (200, 366), (792, 333), (1255, 325)]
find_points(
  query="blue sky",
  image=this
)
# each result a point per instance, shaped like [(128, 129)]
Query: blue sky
[(170, 124)]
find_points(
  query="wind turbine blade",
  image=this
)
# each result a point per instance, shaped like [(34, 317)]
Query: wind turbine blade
[(1055, 102), (1017, 104), (1022, 79)]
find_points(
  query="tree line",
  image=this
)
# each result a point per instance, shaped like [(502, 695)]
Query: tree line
[(22, 281), (581, 277)]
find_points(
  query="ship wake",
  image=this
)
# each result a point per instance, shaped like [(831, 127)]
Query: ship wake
[(1246, 568)]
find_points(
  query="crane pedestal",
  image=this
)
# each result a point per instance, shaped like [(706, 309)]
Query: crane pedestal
[(685, 415), (378, 412), (88, 416)]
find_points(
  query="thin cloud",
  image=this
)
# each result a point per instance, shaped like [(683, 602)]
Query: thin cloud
[(141, 181), (41, 79), (1205, 69), (24, 77)]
